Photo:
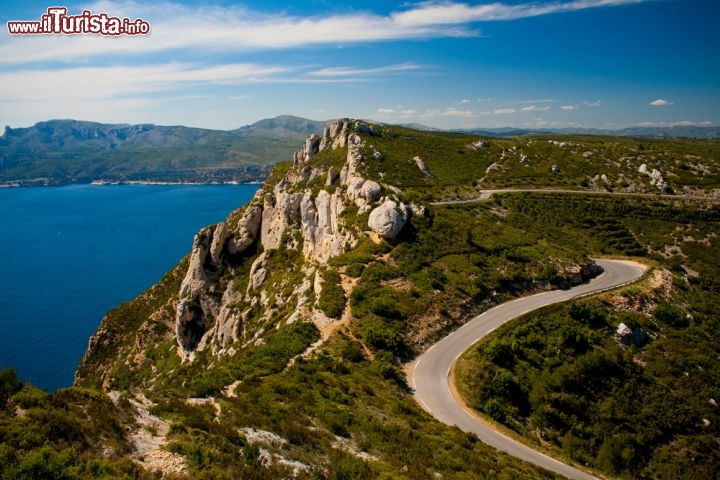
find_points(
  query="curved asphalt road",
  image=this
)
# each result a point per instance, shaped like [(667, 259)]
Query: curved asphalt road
[(430, 372)]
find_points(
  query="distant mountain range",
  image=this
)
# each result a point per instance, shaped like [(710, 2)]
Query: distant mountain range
[(680, 131), (58, 152), (690, 131), (71, 151)]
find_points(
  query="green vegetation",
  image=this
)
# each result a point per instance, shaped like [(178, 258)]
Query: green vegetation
[(332, 297), (74, 434), (460, 167), (638, 410), (69, 151), (556, 377)]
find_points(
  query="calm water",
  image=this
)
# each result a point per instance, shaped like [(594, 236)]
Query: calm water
[(70, 254)]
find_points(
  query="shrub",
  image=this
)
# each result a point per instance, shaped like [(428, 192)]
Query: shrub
[(332, 297)]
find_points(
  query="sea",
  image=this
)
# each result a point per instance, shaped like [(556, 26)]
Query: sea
[(69, 254)]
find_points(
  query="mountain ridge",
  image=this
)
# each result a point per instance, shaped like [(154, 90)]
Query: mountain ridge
[(73, 151)]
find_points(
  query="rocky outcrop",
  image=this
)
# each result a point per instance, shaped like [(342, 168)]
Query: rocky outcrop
[(214, 305), (388, 219), (323, 233), (246, 231), (630, 336), (422, 166)]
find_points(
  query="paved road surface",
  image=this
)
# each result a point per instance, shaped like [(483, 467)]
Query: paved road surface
[(430, 373), (486, 194)]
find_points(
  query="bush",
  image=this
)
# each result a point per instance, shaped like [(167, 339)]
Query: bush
[(332, 297), (670, 315), (9, 385)]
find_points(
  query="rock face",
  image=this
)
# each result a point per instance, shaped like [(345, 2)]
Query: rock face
[(388, 219), (214, 305), (422, 166)]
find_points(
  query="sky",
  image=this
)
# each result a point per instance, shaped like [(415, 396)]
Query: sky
[(444, 64)]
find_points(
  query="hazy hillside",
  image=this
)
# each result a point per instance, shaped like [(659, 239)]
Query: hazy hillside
[(71, 151), (678, 131), (277, 347)]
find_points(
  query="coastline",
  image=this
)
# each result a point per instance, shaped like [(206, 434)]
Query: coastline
[(34, 184)]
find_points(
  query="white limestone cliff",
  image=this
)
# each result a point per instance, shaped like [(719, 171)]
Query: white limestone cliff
[(287, 215)]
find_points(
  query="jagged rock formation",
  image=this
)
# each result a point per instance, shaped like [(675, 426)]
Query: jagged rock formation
[(290, 214)]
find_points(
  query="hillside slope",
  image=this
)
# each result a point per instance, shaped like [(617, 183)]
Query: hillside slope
[(72, 151), (276, 347)]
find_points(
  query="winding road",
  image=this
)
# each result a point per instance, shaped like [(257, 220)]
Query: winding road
[(430, 373), (485, 195)]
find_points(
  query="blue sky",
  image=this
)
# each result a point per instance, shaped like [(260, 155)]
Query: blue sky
[(447, 64)]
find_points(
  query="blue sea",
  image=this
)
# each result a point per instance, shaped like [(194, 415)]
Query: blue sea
[(70, 254)]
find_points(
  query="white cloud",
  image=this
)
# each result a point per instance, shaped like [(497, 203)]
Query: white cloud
[(500, 111), (660, 103), (540, 100), (594, 104), (391, 113), (568, 108), (679, 123), (535, 108), (464, 100), (123, 81), (448, 112), (451, 13), (176, 27), (353, 72)]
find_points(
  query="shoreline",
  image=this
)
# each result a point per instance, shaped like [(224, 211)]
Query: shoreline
[(101, 183)]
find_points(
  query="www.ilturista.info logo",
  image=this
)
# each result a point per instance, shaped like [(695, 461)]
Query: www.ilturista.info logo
[(56, 21)]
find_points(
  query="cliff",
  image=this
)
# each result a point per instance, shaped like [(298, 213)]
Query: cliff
[(338, 207), (303, 212), (275, 349), (232, 278)]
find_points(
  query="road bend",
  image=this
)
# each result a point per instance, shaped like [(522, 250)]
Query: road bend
[(430, 374)]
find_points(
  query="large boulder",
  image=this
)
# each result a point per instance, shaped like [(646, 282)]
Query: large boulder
[(388, 219)]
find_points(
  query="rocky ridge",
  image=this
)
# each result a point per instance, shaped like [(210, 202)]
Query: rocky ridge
[(294, 214)]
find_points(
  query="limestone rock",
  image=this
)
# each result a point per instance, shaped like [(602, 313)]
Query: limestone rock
[(323, 235), (220, 234), (196, 277), (332, 176), (388, 219), (367, 129), (370, 190), (312, 147), (258, 273), (627, 335), (493, 167), (623, 331), (246, 231), (422, 166), (279, 210), (354, 187)]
